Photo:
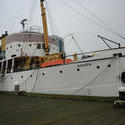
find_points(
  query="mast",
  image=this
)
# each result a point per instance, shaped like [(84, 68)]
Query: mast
[(45, 29)]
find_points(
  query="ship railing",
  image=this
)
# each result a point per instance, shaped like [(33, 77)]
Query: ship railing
[(28, 63), (81, 56)]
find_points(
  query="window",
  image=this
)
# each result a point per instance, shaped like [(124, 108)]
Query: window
[(38, 46), (13, 55)]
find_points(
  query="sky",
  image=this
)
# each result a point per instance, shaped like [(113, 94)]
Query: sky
[(65, 17)]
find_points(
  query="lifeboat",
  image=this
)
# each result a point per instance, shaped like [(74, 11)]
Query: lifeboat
[(55, 62)]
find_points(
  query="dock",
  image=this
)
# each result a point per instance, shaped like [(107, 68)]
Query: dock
[(29, 110)]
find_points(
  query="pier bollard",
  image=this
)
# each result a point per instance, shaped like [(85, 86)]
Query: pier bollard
[(17, 89)]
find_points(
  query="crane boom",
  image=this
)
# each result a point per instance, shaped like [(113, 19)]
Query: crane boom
[(45, 29)]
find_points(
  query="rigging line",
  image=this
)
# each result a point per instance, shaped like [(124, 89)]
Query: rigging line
[(72, 38), (105, 42), (50, 23), (35, 80), (24, 82), (92, 81), (30, 11), (18, 17), (11, 16), (10, 25), (20, 10), (52, 19), (35, 11), (77, 44), (98, 24), (81, 14), (56, 29), (100, 20), (68, 43)]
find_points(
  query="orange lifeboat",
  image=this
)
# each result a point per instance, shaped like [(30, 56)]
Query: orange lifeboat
[(55, 62)]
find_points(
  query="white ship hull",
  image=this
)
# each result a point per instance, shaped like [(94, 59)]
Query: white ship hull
[(92, 77)]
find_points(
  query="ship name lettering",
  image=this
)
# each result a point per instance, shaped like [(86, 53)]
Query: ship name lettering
[(84, 64)]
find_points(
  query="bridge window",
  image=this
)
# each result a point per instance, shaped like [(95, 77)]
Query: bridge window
[(4, 67), (9, 66), (15, 65), (0, 66)]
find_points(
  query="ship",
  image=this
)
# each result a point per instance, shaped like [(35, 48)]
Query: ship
[(34, 62)]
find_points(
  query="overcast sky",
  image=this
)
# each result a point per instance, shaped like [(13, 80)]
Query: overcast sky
[(69, 16)]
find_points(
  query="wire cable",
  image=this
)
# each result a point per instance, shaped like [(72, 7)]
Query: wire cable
[(93, 80), (52, 23), (100, 20), (107, 28)]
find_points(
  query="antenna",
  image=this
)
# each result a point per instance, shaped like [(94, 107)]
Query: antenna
[(23, 23)]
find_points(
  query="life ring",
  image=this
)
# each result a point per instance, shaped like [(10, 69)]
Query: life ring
[(123, 77)]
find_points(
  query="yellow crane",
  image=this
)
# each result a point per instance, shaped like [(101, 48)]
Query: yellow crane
[(46, 45), (45, 29)]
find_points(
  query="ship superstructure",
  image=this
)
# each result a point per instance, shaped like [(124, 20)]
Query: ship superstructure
[(37, 63)]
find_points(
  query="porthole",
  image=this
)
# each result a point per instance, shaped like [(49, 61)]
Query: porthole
[(22, 77), (61, 71), (109, 65), (98, 67), (78, 69), (43, 74), (30, 75), (10, 46), (19, 45), (30, 45)]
